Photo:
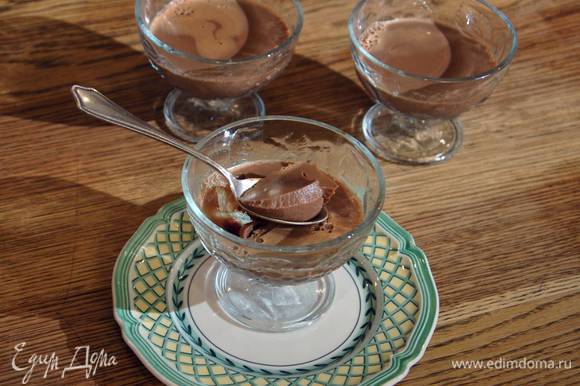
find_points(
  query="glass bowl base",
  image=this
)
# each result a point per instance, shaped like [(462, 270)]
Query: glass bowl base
[(265, 306), (191, 118), (408, 140)]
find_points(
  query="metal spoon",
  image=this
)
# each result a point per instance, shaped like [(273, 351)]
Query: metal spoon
[(96, 104)]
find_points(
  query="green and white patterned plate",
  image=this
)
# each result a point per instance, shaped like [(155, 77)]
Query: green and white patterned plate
[(162, 341)]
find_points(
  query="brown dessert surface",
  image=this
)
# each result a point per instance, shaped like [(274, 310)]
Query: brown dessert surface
[(291, 194), (344, 208)]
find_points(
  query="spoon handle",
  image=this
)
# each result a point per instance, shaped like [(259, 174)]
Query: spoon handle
[(99, 106)]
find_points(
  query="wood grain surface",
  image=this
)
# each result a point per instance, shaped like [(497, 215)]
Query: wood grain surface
[(500, 222)]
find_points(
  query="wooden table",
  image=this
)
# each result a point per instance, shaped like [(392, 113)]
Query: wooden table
[(500, 222)]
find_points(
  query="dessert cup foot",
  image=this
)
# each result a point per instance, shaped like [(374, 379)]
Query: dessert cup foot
[(266, 306), (403, 139), (191, 118)]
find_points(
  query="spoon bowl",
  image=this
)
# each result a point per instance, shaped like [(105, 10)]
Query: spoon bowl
[(321, 217)]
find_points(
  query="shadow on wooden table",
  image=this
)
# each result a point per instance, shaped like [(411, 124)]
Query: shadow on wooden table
[(310, 89), (61, 240), (44, 57)]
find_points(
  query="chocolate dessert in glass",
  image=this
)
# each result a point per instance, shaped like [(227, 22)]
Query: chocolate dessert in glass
[(425, 63), (216, 54), (269, 276)]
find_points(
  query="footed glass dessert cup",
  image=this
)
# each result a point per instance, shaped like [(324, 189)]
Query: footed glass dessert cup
[(210, 93), (271, 287), (414, 120)]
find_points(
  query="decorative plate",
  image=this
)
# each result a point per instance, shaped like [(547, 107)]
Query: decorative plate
[(163, 258)]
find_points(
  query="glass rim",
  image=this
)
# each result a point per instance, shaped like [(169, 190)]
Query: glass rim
[(144, 28), (369, 219), (504, 63)]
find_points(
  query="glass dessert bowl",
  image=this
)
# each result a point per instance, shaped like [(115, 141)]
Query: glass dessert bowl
[(216, 54), (277, 278), (424, 63)]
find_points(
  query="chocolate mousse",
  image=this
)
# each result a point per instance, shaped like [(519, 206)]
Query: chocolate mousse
[(424, 48), (424, 52), (218, 30), (295, 192)]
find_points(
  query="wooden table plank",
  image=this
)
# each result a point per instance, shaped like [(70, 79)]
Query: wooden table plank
[(500, 222)]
